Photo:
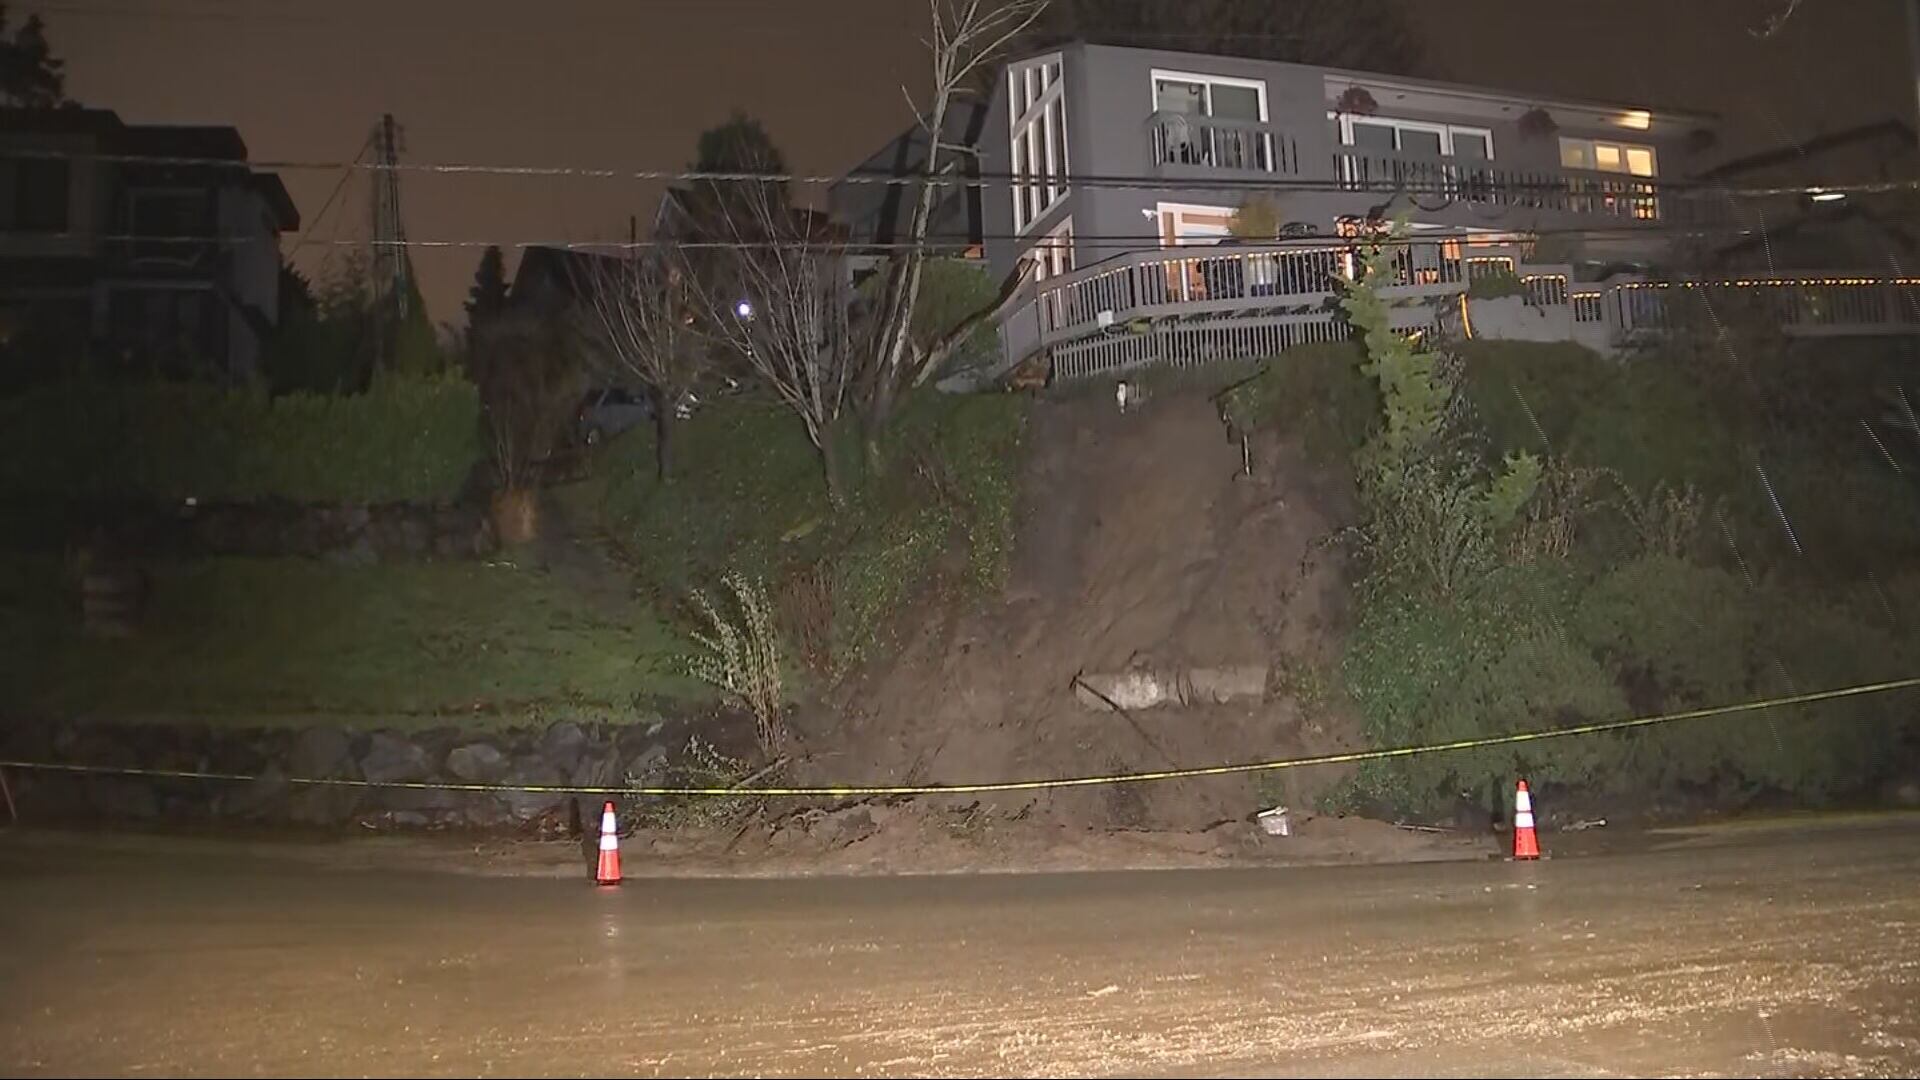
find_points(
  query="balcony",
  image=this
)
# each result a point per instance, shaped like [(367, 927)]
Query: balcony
[(1232, 278), (1482, 182), (1185, 146)]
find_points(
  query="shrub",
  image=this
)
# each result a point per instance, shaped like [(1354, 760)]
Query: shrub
[(404, 439), (743, 660), (1318, 391), (1684, 630), (1493, 660), (749, 497), (1496, 285)]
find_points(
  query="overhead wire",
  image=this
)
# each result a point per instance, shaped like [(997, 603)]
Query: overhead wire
[(979, 179)]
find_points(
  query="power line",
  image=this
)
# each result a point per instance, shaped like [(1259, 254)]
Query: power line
[(1117, 241), (1545, 181)]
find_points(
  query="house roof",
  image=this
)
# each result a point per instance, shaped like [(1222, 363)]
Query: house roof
[(204, 141), (555, 271), (880, 213), (117, 136)]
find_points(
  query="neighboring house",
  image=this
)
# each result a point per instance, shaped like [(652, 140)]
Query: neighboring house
[(1121, 172), (550, 280), (876, 213), (151, 266)]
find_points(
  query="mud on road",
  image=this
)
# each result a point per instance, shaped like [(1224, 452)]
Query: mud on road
[(1771, 953)]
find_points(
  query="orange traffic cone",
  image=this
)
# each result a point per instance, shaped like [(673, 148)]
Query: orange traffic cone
[(1526, 844), (608, 872)]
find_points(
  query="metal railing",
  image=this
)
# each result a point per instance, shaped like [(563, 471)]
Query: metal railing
[(1187, 306), (1212, 144), (1570, 190), (1226, 278), (1804, 306)]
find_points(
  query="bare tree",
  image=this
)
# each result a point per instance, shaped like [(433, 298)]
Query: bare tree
[(528, 379), (965, 36), (636, 311), (774, 291)]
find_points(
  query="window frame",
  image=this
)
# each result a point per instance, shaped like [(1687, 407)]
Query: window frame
[(1037, 155), (17, 217), (1444, 129), (1590, 145), (1156, 75)]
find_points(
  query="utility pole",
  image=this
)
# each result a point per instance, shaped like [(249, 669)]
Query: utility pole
[(391, 265)]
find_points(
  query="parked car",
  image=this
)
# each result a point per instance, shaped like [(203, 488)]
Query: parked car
[(610, 411)]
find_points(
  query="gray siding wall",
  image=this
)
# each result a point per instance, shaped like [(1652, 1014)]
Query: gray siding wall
[(1109, 96)]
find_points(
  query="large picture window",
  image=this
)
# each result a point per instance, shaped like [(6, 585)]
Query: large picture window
[(1037, 105)]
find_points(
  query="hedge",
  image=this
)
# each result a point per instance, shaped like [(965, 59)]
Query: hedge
[(407, 439)]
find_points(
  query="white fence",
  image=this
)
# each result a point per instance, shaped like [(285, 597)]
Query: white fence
[(1186, 306)]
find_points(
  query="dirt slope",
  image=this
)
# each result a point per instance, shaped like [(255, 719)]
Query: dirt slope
[(1141, 544)]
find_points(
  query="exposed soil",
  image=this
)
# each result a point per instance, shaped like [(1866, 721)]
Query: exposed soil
[(1143, 542)]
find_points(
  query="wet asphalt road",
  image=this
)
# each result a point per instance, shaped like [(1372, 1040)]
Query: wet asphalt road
[(1767, 952)]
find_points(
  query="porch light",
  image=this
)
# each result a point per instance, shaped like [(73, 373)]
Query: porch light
[(1637, 119)]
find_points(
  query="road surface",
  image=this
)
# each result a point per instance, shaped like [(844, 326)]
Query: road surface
[(1773, 953)]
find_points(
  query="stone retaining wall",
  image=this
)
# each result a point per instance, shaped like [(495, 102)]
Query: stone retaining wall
[(563, 753)]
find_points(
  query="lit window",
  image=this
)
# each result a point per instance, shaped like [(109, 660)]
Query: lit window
[(1603, 156), (1055, 252), (1037, 131)]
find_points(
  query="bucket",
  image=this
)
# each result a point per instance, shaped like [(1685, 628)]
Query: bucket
[(1274, 822)]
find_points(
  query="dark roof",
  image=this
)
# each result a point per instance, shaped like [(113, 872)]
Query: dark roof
[(120, 137), (181, 140), (60, 121), (880, 213), (208, 141), (546, 272)]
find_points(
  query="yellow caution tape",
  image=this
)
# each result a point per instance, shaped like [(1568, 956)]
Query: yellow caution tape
[(845, 791)]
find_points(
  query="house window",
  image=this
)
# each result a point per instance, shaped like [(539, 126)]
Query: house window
[(1385, 135), (1055, 252), (159, 218), (39, 203), (1037, 105), (1183, 223), (1600, 155), (1210, 120)]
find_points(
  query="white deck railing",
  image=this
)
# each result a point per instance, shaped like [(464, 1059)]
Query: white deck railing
[(1187, 306)]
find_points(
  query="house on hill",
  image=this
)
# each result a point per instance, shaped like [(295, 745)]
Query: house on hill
[(135, 248)]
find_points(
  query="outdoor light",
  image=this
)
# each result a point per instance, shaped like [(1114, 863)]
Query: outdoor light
[(743, 310), (1637, 119), (1826, 196)]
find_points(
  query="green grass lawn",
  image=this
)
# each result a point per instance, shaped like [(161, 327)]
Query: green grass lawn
[(406, 643)]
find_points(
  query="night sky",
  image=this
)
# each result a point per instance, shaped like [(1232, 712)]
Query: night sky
[(630, 84)]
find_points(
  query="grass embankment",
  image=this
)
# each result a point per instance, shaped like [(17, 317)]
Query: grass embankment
[(286, 640), (747, 494)]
